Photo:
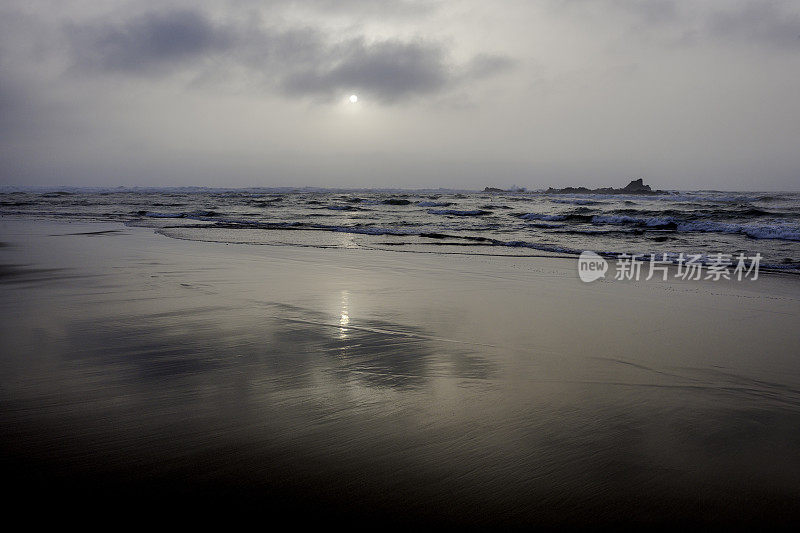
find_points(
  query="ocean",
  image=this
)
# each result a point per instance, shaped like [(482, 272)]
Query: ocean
[(447, 221)]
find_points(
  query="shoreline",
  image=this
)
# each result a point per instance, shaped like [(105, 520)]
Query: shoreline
[(768, 269)]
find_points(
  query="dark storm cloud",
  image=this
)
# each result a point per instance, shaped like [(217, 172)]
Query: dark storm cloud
[(391, 70), (298, 62), (147, 42)]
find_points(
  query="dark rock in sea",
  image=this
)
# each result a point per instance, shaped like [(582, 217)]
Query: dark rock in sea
[(396, 201), (513, 188), (634, 187)]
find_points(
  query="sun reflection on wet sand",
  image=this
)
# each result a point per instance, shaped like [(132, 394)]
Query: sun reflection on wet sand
[(344, 317)]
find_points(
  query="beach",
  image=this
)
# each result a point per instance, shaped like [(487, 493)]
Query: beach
[(149, 372)]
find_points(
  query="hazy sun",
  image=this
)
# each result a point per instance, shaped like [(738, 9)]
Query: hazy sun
[(353, 99)]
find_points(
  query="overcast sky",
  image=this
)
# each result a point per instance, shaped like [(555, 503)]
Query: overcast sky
[(686, 94)]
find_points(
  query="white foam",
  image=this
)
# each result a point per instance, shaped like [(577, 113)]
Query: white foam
[(787, 233)]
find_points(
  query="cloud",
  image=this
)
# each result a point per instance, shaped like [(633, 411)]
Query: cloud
[(146, 43), (654, 11), (770, 23), (296, 62), (485, 65), (391, 70), (773, 24), (382, 8)]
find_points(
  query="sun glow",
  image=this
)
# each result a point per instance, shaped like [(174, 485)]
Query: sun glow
[(353, 98)]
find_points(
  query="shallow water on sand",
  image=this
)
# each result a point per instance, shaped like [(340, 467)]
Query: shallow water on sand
[(364, 384)]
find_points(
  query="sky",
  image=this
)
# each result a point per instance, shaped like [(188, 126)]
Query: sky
[(687, 94)]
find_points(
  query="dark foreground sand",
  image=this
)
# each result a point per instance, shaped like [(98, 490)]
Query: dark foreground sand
[(143, 373)]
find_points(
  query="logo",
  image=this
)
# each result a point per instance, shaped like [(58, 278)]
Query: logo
[(633, 267), (591, 266)]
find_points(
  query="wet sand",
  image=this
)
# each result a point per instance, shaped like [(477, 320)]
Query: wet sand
[(143, 372)]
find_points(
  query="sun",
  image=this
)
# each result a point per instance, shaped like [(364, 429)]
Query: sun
[(353, 99)]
